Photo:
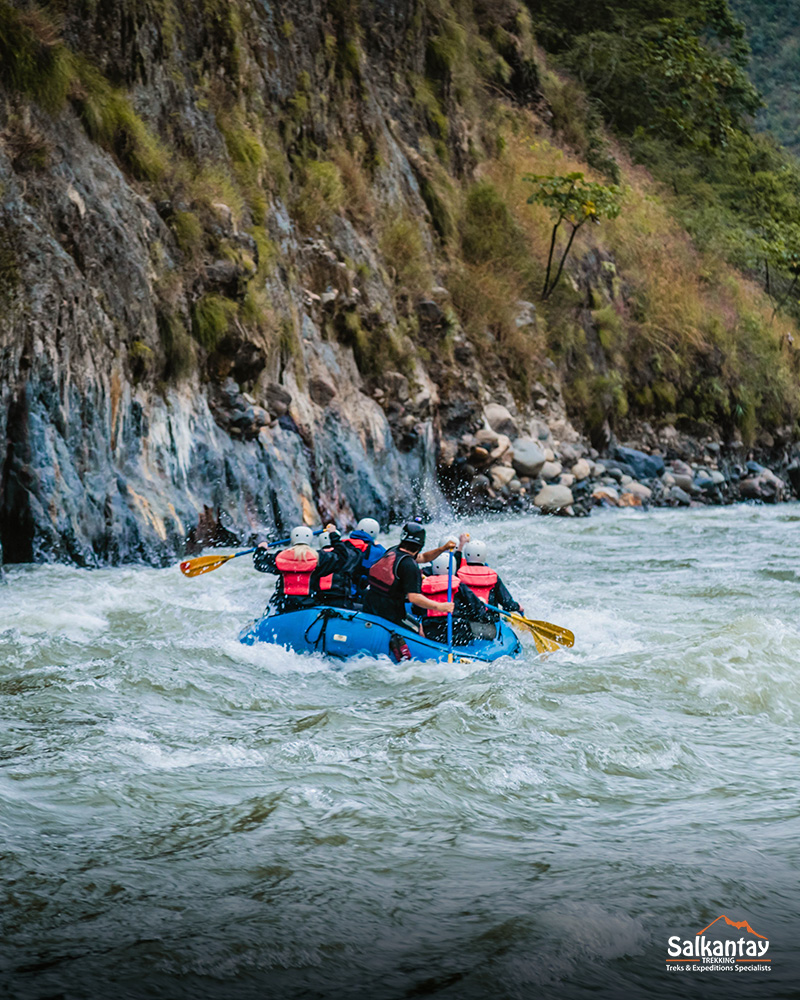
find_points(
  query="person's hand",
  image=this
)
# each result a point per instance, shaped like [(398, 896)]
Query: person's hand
[(330, 527), (463, 538), (263, 545), (447, 606), (521, 611), (449, 545)]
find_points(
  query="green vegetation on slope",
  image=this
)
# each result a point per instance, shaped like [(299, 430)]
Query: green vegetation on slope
[(671, 332), (35, 63), (669, 77), (773, 32)]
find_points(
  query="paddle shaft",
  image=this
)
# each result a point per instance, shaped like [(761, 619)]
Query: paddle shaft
[(450, 613), (244, 552), (280, 541), (501, 611)]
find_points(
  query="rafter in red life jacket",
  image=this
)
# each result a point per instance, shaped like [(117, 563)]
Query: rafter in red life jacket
[(296, 567), (435, 587), (383, 573), (479, 579)]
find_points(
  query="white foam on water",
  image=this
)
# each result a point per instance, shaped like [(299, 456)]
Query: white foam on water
[(646, 771)]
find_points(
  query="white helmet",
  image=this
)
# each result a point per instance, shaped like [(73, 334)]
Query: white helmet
[(301, 535), (325, 539), (441, 564), (370, 526), (475, 553)]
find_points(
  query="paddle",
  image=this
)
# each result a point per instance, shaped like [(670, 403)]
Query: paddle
[(450, 613), (207, 564), (546, 636)]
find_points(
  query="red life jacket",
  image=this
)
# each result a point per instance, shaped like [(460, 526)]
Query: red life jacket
[(326, 582), (479, 579), (435, 587), (358, 543), (383, 573), (296, 571)]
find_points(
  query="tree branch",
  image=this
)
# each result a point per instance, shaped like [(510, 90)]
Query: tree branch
[(550, 257), (563, 258), (786, 296)]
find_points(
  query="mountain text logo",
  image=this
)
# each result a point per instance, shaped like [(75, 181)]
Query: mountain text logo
[(716, 948)]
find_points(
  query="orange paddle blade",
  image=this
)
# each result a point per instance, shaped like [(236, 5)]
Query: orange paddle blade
[(203, 564)]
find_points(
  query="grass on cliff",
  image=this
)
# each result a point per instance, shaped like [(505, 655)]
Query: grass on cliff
[(10, 277), (378, 348), (189, 234), (249, 158), (350, 161), (498, 267), (212, 316), (34, 62), (676, 333), (222, 27), (320, 193), (109, 119), (403, 247), (179, 349)]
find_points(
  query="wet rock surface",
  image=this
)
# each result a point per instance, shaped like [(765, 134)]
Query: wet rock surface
[(126, 418)]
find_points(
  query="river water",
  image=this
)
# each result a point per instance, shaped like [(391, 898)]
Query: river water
[(186, 817)]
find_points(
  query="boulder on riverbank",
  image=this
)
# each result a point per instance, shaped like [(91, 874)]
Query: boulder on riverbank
[(644, 493), (499, 419), (641, 465), (765, 486), (671, 470), (581, 470), (606, 495), (550, 470), (553, 498), (679, 497), (528, 458)]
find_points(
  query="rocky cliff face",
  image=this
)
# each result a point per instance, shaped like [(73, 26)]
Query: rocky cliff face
[(153, 361)]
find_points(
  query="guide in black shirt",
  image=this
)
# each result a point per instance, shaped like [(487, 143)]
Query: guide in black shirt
[(396, 578)]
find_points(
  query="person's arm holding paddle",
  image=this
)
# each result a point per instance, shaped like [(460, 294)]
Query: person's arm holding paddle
[(421, 601), (502, 597), (264, 560), (431, 554)]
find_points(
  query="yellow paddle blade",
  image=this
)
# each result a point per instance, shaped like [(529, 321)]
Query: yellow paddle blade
[(555, 633), (203, 564), (544, 643)]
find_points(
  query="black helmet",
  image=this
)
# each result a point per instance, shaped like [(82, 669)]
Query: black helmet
[(413, 536)]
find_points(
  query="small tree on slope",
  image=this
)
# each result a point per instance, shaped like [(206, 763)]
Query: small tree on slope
[(574, 201)]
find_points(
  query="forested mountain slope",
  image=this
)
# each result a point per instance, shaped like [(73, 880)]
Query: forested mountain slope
[(773, 32)]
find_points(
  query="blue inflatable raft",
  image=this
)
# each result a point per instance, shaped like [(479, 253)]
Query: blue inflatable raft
[(344, 633)]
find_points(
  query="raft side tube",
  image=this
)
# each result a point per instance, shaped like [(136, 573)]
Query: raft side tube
[(343, 633)]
